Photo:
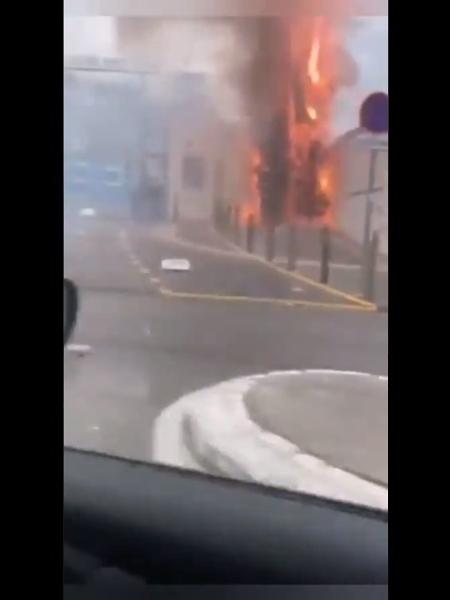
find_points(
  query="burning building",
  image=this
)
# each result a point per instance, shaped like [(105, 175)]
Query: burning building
[(274, 161), (298, 68)]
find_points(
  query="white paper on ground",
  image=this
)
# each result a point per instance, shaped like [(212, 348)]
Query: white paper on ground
[(175, 264), (79, 348)]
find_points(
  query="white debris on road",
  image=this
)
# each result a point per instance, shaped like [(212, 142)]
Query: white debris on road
[(80, 349), (175, 264)]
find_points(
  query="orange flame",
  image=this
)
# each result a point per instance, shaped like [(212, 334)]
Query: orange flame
[(313, 62), (324, 182), (312, 112), (313, 44)]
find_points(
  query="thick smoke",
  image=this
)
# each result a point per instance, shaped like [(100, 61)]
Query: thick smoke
[(220, 49), (236, 55), (95, 36), (241, 58)]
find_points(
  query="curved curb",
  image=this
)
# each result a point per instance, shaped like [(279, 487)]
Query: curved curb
[(210, 430)]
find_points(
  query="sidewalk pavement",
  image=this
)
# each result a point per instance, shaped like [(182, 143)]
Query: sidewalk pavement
[(345, 260), (347, 278), (320, 432), (340, 418), (308, 241)]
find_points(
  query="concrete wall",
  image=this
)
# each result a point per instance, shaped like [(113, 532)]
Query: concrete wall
[(191, 140), (222, 151)]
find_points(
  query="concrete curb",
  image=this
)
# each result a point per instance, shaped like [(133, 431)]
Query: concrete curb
[(210, 430)]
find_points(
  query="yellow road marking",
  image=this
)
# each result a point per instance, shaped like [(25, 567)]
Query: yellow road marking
[(322, 286), (240, 253), (275, 301), (305, 279)]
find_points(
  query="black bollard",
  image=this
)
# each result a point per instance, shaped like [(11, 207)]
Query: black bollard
[(237, 226), (292, 247), (369, 292), (250, 234), (325, 255), (270, 243), (228, 219), (175, 216)]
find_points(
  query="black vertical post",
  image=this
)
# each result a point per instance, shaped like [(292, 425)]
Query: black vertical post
[(270, 242), (221, 218), (250, 241), (324, 255), (369, 292), (215, 213), (236, 225), (228, 219), (292, 247), (217, 217)]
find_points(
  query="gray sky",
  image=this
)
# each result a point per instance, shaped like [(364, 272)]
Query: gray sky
[(368, 44)]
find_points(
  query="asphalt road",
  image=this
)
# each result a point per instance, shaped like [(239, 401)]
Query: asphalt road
[(225, 276), (147, 349)]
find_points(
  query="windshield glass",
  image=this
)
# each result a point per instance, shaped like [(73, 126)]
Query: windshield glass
[(225, 221)]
